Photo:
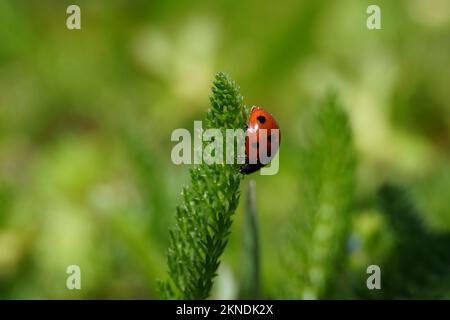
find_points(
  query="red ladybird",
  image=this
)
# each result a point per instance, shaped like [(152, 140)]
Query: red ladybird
[(256, 138)]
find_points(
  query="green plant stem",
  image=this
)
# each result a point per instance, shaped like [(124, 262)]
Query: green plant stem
[(321, 223), (204, 218), (251, 272)]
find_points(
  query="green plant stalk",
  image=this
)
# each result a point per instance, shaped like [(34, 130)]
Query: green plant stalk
[(326, 175), (251, 266), (204, 218)]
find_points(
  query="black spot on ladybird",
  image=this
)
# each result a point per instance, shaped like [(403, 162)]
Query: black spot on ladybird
[(261, 119)]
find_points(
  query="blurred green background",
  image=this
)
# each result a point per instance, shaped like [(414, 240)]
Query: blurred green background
[(86, 117)]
